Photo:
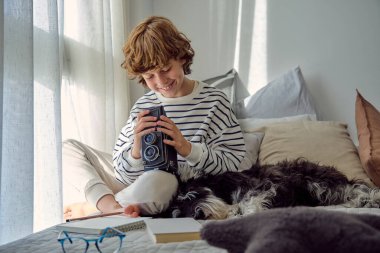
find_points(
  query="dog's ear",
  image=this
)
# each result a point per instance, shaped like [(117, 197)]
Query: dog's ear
[(187, 196)]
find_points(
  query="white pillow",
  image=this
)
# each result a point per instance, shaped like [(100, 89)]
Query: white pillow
[(231, 84), (252, 124), (283, 97), (252, 144)]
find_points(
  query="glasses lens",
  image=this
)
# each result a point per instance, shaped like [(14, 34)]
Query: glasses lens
[(110, 244), (76, 245)]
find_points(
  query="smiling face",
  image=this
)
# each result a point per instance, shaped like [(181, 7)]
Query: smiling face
[(170, 80)]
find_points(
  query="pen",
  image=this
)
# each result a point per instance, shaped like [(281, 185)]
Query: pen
[(94, 216)]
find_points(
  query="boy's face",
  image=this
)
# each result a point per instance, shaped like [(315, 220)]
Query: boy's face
[(170, 81)]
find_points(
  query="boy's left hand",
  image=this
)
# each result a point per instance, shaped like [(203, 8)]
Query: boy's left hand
[(179, 142)]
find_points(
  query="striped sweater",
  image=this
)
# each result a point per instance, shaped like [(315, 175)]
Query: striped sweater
[(205, 119)]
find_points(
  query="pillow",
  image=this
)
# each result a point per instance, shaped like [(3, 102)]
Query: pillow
[(231, 84), (253, 137), (252, 144), (284, 96), (251, 124), (368, 128), (323, 142)]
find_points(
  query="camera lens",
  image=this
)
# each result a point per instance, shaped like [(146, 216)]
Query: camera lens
[(150, 138), (151, 153)]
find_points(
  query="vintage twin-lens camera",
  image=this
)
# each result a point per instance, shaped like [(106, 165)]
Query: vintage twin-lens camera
[(156, 154)]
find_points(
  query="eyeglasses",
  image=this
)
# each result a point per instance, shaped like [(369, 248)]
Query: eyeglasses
[(110, 240)]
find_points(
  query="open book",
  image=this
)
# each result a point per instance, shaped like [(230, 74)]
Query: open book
[(173, 230), (96, 225)]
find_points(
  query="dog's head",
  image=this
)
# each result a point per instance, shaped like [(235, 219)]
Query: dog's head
[(199, 203)]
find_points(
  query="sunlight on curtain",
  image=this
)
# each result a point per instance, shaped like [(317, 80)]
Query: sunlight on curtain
[(238, 37), (258, 62), (31, 133), (95, 89), (250, 56), (95, 102)]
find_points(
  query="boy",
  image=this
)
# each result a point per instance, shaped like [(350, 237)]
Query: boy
[(200, 122)]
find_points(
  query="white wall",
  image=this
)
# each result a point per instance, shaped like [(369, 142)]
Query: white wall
[(336, 43)]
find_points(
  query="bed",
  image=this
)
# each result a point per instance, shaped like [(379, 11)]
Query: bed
[(280, 129), (135, 241)]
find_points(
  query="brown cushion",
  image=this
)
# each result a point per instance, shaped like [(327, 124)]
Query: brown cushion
[(368, 128), (323, 142)]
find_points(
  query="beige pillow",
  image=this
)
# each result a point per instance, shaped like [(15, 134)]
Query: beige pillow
[(323, 142), (368, 128)]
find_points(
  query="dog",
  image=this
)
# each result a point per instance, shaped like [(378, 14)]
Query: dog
[(286, 184)]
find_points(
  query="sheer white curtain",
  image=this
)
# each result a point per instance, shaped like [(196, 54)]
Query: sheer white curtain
[(95, 89), (30, 144), (60, 60)]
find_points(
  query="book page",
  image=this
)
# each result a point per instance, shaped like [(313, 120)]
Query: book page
[(96, 225)]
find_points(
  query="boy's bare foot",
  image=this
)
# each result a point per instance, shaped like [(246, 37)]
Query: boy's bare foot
[(108, 204), (77, 210)]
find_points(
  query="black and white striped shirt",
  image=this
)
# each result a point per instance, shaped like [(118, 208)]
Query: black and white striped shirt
[(205, 118)]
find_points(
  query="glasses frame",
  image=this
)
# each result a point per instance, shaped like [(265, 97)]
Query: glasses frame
[(106, 233)]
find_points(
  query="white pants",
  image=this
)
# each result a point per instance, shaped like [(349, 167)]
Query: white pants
[(88, 175)]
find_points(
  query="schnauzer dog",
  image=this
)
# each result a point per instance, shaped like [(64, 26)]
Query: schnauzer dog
[(288, 183)]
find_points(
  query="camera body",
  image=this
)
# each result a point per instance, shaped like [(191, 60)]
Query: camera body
[(155, 153)]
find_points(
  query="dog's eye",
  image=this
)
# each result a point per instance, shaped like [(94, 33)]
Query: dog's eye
[(176, 213), (199, 214)]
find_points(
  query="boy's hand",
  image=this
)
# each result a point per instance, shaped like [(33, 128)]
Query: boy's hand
[(179, 142), (132, 211), (145, 124)]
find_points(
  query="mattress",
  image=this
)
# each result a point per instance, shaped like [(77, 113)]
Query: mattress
[(135, 241)]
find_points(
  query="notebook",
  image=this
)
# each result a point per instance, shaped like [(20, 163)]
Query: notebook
[(163, 230), (96, 225)]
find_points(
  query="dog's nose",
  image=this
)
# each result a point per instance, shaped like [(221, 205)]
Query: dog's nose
[(199, 214)]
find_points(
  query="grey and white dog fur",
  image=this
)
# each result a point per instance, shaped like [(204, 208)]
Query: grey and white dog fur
[(288, 183)]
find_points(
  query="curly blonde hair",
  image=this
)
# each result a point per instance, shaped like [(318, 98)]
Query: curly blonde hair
[(152, 44)]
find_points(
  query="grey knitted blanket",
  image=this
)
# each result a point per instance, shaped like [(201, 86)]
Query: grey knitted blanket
[(298, 229)]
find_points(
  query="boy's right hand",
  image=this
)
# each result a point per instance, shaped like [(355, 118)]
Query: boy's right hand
[(132, 211), (145, 124)]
